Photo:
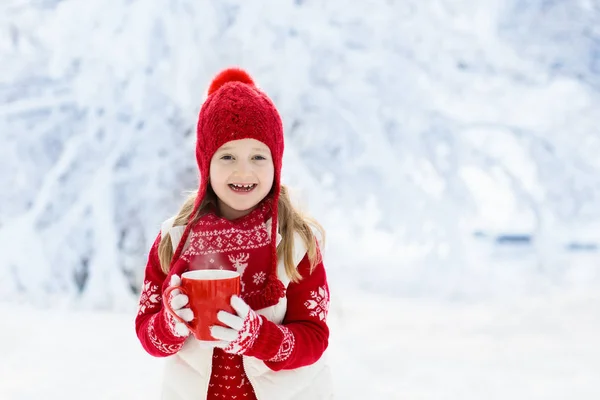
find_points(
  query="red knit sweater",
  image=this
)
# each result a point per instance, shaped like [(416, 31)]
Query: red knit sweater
[(300, 340)]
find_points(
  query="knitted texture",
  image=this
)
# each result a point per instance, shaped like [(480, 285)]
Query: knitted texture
[(152, 323), (236, 109), (228, 379), (298, 341), (246, 336), (242, 245), (303, 336)]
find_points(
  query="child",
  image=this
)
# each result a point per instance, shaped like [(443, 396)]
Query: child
[(240, 219)]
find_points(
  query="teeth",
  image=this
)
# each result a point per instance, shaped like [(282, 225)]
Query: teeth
[(243, 186)]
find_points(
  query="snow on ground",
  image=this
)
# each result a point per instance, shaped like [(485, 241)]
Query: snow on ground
[(381, 348)]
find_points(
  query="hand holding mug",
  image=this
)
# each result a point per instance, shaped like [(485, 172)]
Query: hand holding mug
[(240, 330), (175, 302), (207, 292)]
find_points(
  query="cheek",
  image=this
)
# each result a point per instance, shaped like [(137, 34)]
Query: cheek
[(268, 175), (217, 175)]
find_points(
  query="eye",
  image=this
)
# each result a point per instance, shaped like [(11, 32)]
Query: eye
[(259, 158), (226, 157)]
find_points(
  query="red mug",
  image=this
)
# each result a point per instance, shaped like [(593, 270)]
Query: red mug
[(209, 291)]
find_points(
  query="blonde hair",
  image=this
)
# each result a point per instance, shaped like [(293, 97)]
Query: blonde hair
[(291, 221)]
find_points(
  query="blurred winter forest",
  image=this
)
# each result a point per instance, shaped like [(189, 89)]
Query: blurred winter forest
[(449, 147)]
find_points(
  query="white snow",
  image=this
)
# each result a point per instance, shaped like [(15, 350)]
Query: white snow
[(536, 348)]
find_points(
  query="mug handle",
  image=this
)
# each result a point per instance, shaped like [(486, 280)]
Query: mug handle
[(167, 304)]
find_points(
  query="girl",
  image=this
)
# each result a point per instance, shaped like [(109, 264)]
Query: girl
[(240, 219)]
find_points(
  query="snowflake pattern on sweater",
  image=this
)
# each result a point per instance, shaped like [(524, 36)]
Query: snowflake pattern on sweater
[(259, 277), (318, 305), (149, 298)]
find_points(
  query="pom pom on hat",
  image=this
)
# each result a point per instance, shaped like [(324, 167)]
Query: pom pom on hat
[(230, 75)]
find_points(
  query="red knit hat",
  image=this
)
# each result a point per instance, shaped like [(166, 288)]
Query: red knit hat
[(236, 109)]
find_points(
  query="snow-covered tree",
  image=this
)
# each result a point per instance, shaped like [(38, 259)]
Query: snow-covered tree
[(409, 125)]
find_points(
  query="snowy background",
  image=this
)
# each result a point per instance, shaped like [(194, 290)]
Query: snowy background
[(449, 147)]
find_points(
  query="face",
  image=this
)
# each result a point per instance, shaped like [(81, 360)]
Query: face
[(241, 175)]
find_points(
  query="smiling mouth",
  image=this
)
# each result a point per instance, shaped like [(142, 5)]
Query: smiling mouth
[(242, 188)]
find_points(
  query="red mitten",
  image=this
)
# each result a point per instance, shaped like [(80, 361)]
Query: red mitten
[(177, 302), (242, 329)]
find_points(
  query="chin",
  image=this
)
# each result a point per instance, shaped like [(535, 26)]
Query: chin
[(242, 206), (246, 207)]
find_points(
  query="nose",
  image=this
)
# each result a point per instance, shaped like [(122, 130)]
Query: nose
[(244, 168)]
